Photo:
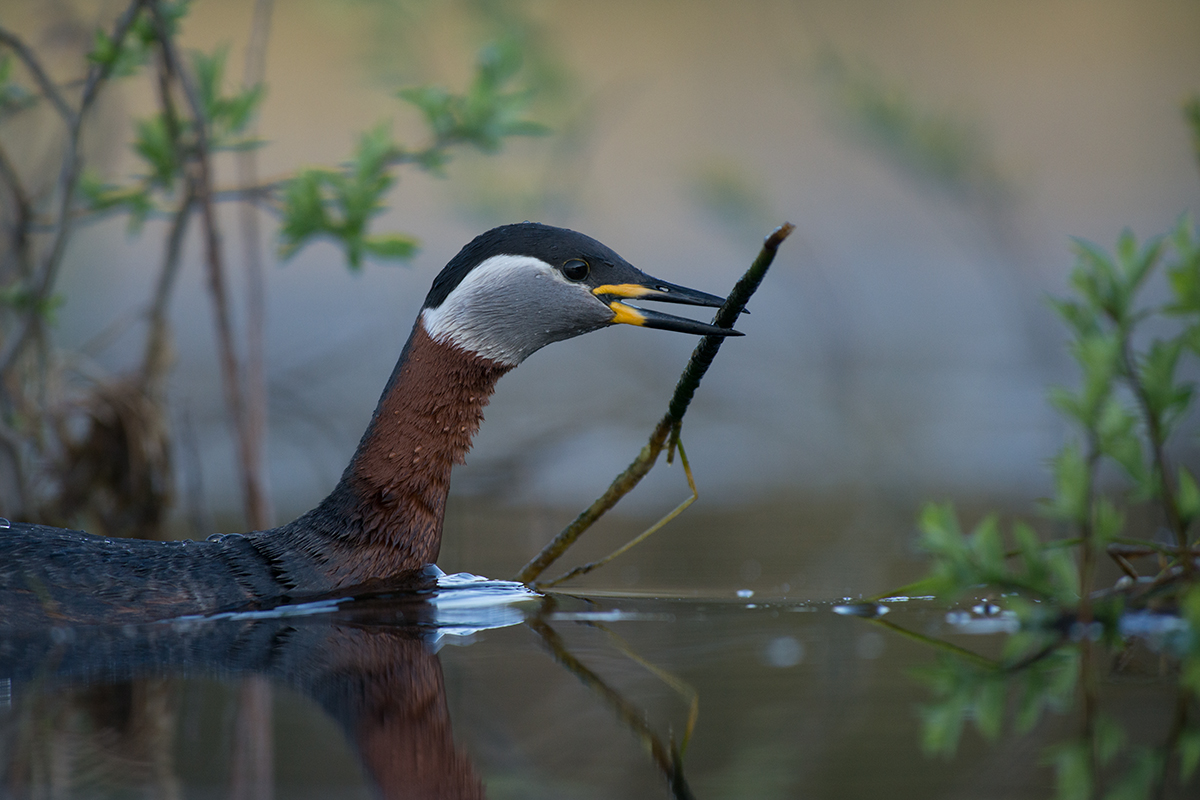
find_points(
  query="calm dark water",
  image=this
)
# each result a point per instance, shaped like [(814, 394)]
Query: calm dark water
[(482, 689)]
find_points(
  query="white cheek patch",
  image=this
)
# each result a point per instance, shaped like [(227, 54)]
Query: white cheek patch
[(486, 313)]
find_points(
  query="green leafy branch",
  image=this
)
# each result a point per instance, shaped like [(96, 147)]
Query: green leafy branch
[(167, 142), (331, 203), (967, 690), (1133, 358), (483, 116), (1130, 399), (340, 203), (126, 56)]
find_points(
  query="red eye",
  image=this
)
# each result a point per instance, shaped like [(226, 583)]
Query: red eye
[(576, 269)]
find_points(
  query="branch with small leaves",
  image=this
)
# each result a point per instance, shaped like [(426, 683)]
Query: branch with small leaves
[(1126, 410), (339, 203)]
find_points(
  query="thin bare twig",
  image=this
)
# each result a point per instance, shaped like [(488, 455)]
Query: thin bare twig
[(157, 353), (12, 443), (256, 303), (40, 76), (231, 372), (263, 196), (253, 768), (23, 216), (668, 426)]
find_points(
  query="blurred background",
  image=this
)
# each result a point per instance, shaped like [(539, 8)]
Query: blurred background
[(936, 158)]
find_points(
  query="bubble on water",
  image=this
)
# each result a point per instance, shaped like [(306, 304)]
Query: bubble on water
[(783, 651), (866, 610)]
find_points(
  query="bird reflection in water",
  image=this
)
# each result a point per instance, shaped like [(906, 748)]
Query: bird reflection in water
[(368, 664), (382, 684)]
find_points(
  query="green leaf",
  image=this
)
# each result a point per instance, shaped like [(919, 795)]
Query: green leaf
[(987, 547), (1048, 683), (497, 63), (156, 147), (1189, 670), (21, 297), (1110, 738), (1108, 521), (1166, 398), (1098, 355), (1030, 548), (524, 127), (391, 246), (1191, 113), (1188, 748), (1080, 316), (1029, 711), (941, 727), (1191, 338), (1138, 781), (1136, 264), (1188, 496), (989, 708), (1068, 404), (1063, 576), (104, 50), (1185, 238), (130, 56), (1073, 775), (1095, 277), (225, 116), (303, 211), (941, 537), (1118, 437), (940, 532), (1072, 485), (99, 196), (374, 151), (434, 104), (209, 69), (239, 109), (1184, 274)]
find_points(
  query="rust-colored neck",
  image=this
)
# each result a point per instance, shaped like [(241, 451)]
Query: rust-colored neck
[(384, 517)]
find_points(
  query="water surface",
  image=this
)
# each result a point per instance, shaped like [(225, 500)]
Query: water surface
[(484, 689)]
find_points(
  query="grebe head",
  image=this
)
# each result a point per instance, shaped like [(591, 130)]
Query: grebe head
[(517, 288)]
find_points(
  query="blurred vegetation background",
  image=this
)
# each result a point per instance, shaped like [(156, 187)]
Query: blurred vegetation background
[(936, 158)]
